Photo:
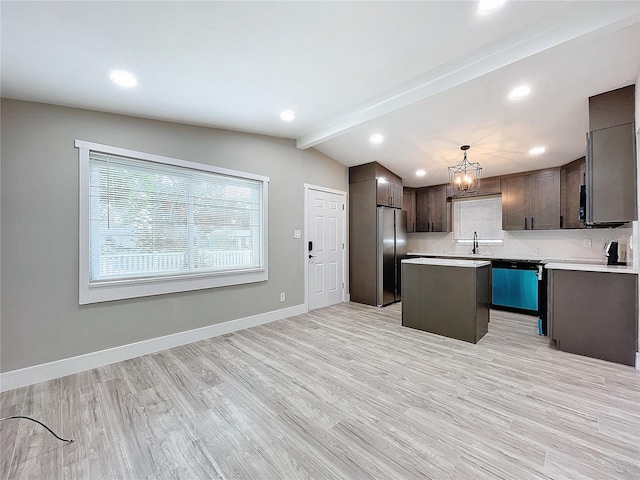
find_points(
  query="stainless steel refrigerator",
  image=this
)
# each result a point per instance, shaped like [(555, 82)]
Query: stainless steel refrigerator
[(391, 249)]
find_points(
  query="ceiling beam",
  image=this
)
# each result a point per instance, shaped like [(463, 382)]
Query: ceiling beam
[(576, 23)]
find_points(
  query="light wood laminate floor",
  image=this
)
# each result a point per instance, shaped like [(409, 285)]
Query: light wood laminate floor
[(343, 392)]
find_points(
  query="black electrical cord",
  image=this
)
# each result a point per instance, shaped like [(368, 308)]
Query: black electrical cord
[(34, 420)]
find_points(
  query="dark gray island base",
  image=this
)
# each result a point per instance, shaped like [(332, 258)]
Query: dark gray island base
[(446, 297)]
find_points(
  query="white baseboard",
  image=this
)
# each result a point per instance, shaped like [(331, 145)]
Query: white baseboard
[(68, 366)]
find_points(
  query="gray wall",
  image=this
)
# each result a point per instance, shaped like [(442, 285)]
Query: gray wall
[(41, 318)]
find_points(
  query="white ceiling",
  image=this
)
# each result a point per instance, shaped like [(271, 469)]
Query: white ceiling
[(430, 76)]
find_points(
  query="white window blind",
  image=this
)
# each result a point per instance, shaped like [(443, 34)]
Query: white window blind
[(477, 214), (156, 219)]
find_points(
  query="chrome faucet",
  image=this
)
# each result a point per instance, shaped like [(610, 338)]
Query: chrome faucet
[(475, 243)]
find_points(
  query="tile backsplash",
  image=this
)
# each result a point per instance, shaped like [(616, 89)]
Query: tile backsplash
[(580, 244)]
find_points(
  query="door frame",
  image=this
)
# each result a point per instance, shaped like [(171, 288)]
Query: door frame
[(305, 251)]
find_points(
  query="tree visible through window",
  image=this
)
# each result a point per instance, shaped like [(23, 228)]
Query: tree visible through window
[(153, 218)]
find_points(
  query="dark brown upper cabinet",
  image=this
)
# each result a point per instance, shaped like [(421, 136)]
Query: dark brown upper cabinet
[(409, 206), (531, 201), (611, 158), (389, 194), (431, 209), (388, 185), (572, 178)]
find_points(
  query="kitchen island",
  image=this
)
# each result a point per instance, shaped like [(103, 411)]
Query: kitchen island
[(447, 297)]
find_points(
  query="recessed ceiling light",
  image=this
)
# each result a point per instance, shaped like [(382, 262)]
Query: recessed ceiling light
[(486, 6), (421, 173), (537, 150), (122, 78), (520, 91), (376, 139), (287, 115)]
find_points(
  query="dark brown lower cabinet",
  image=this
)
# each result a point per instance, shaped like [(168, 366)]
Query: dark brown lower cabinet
[(594, 314)]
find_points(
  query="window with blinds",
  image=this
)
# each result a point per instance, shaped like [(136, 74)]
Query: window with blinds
[(477, 214), (157, 225)]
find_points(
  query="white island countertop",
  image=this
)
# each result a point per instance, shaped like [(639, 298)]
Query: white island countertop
[(447, 262)]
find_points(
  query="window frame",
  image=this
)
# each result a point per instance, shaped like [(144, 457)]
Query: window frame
[(469, 241), (162, 284)]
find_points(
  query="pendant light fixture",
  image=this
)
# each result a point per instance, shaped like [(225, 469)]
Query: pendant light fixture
[(465, 177)]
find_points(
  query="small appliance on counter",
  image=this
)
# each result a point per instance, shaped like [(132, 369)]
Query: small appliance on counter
[(611, 252)]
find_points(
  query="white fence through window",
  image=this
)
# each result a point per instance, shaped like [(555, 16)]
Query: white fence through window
[(146, 263)]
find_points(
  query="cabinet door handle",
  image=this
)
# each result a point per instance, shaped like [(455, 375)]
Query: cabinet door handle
[(531, 223), (525, 223), (561, 221)]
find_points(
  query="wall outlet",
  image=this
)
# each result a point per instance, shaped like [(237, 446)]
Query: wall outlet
[(586, 242), (297, 234), (282, 297)]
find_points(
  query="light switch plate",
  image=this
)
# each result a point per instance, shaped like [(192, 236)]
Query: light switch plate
[(296, 234)]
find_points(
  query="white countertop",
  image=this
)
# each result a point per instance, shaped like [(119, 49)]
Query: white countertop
[(448, 262), (591, 267), (584, 265), (540, 259)]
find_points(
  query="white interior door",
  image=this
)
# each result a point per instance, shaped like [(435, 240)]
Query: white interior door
[(325, 248)]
